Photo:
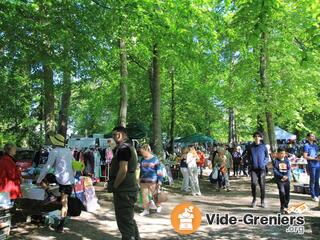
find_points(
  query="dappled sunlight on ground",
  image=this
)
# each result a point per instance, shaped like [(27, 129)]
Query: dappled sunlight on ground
[(102, 224)]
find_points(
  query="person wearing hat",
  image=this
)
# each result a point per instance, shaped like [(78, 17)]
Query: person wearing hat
[(60, 158)]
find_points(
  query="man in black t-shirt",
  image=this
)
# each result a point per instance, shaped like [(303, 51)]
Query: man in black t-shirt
[(123, 183)]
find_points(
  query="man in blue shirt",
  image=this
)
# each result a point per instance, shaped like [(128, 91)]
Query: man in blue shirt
[(310, 152), (258, 159)]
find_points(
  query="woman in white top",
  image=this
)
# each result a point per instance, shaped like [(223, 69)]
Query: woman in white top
[(192, 159), (185, 187)]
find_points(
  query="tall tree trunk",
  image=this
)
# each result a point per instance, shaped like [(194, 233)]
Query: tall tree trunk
[(236, 131), (173, 111), (155, 93), (271, 133), (261, 128), (123, 83), (265, 85), (41, 117), (232, 138), (232, 127), (65, 103), (48, 86), (207, 117)]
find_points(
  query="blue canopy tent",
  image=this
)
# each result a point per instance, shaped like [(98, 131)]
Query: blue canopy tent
[(283, 135)]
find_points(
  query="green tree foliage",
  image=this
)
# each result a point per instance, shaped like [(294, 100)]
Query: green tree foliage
[(213, 46)]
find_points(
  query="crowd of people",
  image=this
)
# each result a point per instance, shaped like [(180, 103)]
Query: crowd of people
[(124, 182), (193, 159)]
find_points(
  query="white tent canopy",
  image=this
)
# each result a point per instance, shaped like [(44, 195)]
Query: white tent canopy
[(283, 135)]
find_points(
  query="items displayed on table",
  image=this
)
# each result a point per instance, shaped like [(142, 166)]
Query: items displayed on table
[(51, 218), (84, 191), (5, 201), (5, 216), (32, 191), (300, 175), (5, 222), (294, 160)]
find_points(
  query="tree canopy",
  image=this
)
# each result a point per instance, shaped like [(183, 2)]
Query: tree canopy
[(208, 62)]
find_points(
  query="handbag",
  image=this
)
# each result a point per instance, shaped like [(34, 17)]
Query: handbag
[(160, 196)]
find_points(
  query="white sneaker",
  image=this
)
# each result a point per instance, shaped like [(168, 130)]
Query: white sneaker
[(199, 194), (159, 209), (144, 213), (316, 199), (152, 205)]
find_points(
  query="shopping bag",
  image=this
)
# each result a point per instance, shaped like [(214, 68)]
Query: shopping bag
[(213, 177), (160, 196)]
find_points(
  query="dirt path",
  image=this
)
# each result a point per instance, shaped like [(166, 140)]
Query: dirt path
[(102, 225)]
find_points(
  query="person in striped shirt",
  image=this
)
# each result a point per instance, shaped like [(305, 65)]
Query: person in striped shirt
[(150, 177)]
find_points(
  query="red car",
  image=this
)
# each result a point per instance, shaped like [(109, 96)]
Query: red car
[(24, 158)]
